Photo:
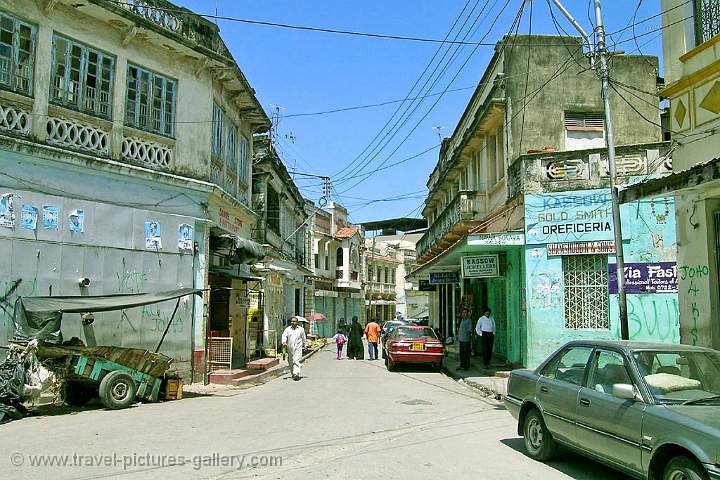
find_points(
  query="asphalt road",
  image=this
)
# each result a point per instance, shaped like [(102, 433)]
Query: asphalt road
[(344, 420)]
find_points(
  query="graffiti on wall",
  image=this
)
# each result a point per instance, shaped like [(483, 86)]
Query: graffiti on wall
[(131, 281), (546, 291), (653, 317), (692, 274)]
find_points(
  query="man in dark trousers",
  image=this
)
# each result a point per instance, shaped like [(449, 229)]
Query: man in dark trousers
[(464, 337), (486, 329)]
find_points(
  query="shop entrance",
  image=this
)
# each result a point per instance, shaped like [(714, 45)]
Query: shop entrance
[(227, 322)]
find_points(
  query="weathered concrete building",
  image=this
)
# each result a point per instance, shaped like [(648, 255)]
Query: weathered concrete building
[(337, 278), (528, 141), (125, 145), (691, 52), (282, 230)]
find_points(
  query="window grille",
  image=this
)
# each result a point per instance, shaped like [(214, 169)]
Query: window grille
[(707, 20), (586, 291), (150, 101), (218, 127), (17, 54), (243, 158), (82, 77)]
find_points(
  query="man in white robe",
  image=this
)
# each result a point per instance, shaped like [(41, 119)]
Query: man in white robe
[(294, 340)]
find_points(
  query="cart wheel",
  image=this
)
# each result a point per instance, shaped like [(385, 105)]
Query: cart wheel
[(117, 390)]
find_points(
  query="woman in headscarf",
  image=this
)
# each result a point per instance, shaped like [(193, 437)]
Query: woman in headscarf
[(355, 348)]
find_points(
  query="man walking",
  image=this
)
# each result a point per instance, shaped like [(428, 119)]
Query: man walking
[(464, 337), (372, 332), (486, 329), (295, 340)]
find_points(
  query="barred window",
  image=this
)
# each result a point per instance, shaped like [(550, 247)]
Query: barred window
[(217, 137), (82, 77), (586, 291), (707, 20), (17, 54), (244, 151), (150, 101)]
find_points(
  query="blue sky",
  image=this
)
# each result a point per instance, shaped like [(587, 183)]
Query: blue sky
[(308, 72)]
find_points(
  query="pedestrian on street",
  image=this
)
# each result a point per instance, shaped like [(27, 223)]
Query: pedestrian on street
[(343, 326), (340, 340), (486, 329), (372, 332), (465, 337), (355, 346), (294, 339)]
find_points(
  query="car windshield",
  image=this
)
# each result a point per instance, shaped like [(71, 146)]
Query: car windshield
[(413, 333), (681, 376)]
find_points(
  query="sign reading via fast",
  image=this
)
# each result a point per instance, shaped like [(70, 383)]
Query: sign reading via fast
[(579, 216), (658, 277), (440, 278), (480, 266)]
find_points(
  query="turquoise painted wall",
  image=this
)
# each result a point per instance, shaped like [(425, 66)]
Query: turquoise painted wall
[(649, 236)]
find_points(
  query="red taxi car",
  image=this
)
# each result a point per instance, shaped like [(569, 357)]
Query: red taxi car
[(413, 344)]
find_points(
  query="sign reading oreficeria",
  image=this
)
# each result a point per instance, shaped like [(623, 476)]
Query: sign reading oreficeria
[(480, 266)]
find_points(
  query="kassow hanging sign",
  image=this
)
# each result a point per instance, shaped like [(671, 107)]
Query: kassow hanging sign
[(480, 266)]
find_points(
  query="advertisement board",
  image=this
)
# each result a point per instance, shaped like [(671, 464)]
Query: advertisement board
[(480, 266)]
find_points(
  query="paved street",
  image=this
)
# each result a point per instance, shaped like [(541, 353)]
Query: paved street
[(345, 419)]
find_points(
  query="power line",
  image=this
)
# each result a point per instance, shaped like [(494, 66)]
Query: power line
[(517, 19), (350, 166), (382, 104)]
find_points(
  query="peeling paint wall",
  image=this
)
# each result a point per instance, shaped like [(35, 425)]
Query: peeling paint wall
[(112, 254), (649, 237)]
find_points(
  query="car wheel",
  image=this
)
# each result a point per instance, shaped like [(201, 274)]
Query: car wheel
[(539, 443), (117, 390), (438, 366), (684, 468), (391, 366)]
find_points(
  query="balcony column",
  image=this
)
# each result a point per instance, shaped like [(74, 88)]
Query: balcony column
[(41, 82), (471, 182), (118, 108)]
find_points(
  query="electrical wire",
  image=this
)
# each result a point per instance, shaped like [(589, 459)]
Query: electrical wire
[(517, 19)]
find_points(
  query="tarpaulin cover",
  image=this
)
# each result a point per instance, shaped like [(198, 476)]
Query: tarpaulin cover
[(40, 317), (243, 251), (12, 381)]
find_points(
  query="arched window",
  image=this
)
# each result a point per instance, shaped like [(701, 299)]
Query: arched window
[(387, 275), (339, 257)]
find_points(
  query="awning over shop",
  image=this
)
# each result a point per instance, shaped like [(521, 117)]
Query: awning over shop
[(705, 176), (241, 250), (40, 317)]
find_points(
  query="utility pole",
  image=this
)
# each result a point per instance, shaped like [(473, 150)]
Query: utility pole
[(598, 56)]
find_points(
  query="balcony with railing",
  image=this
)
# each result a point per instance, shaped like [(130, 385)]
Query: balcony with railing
[(585, 169), (707, 20), (452, 223)]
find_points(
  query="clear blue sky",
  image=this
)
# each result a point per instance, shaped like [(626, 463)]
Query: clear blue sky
[(310, 72)]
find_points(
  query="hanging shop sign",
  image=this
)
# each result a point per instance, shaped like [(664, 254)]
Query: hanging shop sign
[(567, 217), (480, 266), (606, 247), (441, 278), (496, 239), (658, 277), (424, 286)]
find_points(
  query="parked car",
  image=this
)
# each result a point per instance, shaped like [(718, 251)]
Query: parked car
[(413, 344), (388, 328), (650, 410)]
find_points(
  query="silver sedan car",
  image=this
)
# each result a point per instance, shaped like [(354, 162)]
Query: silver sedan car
[(649, 410)]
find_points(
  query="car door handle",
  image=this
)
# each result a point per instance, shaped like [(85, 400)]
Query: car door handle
[(584, 402), (544, 389)]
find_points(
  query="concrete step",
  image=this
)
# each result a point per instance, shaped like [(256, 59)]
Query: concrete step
[(263, 364), (228, 377)]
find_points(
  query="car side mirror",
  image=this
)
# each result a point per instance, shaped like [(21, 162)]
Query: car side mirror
[(626, 391)]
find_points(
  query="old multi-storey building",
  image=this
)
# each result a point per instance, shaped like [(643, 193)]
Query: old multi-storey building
[(519, 209), (337, 281), (126, 133), (691, 52), (282, 229)]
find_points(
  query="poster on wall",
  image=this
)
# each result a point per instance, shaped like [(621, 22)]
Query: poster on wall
[(51, 217), (7, 211), (185, 236), (480, 266), (659, 277), (28, 217), (77, 220), (152, 236)]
